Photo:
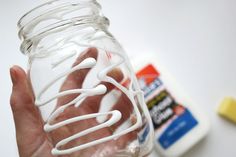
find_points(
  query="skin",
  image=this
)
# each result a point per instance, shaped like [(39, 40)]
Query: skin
[(32, 141)]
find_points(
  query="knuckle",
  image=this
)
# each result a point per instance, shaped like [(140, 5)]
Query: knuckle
[(19, 102)]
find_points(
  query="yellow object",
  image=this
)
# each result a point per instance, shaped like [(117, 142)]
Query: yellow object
[(227, 109)]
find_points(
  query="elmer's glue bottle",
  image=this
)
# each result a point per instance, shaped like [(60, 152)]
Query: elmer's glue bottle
[(178, 123)]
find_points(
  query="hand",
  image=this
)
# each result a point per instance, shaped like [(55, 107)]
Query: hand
[(32, 141)]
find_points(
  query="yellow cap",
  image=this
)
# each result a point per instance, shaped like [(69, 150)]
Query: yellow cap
[(227, 109)]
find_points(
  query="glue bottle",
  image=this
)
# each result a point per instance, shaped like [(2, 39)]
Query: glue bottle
[(177, 121)]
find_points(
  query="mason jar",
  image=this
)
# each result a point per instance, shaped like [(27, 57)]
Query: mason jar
[(83, 82)]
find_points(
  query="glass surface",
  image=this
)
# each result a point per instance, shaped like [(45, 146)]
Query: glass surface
[(83, 82)]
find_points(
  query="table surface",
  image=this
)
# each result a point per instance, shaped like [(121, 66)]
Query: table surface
[(194, 40)]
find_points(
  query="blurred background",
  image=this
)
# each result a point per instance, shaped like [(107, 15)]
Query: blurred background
[(194, 39)]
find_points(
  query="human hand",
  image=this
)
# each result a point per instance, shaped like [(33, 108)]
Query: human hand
[(32, 141)]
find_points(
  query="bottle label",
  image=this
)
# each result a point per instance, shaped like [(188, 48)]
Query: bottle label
[(170, 118)]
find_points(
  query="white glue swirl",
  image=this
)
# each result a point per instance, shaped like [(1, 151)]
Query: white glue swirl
[(31, 44), (100, 89)]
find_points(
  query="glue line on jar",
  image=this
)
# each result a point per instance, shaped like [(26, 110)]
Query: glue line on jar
[(100, 89)]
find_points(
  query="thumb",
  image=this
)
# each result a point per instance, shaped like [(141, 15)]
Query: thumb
[(28, 122)]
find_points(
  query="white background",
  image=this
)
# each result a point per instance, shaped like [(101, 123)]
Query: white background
[(194, 39)]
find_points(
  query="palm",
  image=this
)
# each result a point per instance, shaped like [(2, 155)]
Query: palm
[(34, 142)]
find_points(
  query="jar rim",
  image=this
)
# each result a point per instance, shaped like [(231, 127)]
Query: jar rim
[(41, 8), (45, 8), (58, 15)]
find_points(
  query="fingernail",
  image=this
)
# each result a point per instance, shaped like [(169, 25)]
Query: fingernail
[(116, 74), (84, 52), (88, 52), (13, 75)]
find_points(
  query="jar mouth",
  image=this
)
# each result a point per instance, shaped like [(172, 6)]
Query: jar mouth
[(57, 14)]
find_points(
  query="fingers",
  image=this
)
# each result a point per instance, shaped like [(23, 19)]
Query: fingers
[(89, 105), (28, 122), (20, 90), (75, 80), (125, 106), (80, 75), (93, 103)]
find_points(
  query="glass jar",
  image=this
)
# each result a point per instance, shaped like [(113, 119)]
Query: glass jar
[(84, 85)]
